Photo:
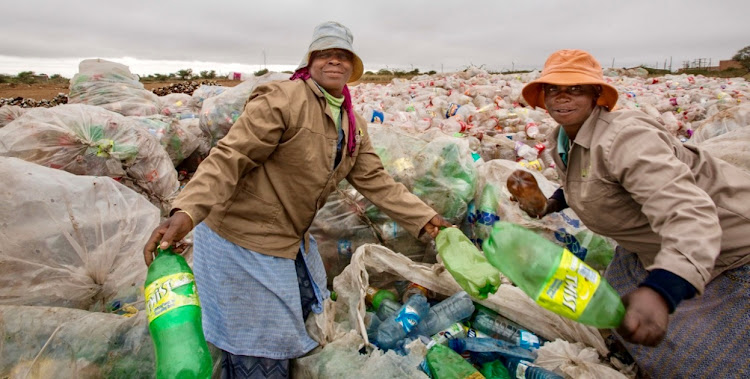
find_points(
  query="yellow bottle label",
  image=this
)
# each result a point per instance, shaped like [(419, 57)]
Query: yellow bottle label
[(571, 288), (161, 298)]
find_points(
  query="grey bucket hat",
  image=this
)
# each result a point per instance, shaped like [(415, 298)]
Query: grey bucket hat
[(332, 35)]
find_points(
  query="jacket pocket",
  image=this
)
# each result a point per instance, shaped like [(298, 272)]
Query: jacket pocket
[(250, 213)]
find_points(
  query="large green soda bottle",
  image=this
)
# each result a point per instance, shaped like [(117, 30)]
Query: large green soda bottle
[(174, 319), (552, 276)]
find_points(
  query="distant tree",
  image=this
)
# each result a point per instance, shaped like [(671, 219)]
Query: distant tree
[(431, 72), (743, 56), (383, 71), (261, 72), (208, 74), (26, 77), (185, 73), (369, 73)]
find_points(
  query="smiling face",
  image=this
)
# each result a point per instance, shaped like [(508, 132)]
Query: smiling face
[(570, 106), (331, 69)]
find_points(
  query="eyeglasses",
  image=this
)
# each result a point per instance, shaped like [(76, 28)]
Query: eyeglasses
[(338, 54), (576, 90)]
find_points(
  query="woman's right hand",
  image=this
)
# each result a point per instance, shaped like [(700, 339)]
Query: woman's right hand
[(172, 230)]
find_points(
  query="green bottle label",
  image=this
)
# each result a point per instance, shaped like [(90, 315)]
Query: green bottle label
[(161, 298), (570, 288)]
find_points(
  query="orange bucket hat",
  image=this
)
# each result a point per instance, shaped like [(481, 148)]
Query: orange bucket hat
[(567, 68)]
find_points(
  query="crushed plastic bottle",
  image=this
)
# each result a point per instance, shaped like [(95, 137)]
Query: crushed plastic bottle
[(449, 311), (467, 265), (398, 325)]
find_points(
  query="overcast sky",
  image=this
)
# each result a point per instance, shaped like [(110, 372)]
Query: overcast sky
[(163, 36)]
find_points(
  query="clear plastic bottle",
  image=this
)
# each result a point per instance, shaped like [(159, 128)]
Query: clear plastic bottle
[(372, 323), (398, 325), (494, 348), (552, 276), (499, 327), (387, 308), (456, 330), (447, 312), (526, 370)]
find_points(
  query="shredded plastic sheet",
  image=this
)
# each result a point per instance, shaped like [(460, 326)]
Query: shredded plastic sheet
[(9, 113), (377, 264), (175, 138), (111, 86), (563, 228), (342, 359), (88, 140), (219, 112), (70, 241), (575, 360)]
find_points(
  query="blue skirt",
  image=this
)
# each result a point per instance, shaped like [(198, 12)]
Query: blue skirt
[(708, 336)]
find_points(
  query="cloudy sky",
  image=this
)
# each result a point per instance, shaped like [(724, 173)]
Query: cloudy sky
[(164, 36)]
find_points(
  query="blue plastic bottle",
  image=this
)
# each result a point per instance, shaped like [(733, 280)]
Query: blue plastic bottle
[(525, 369), (398, 325), (447, 312)]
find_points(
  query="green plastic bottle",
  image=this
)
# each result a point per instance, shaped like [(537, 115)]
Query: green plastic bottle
[(445, 363), (375, 296), (174, 319), (552, 276), (466, 263)]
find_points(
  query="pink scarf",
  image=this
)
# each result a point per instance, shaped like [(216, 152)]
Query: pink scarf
[(304, 74)]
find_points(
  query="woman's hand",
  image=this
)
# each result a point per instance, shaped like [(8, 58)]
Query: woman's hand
[(551, 206), (170, 231), (433, 227), (646, 317)]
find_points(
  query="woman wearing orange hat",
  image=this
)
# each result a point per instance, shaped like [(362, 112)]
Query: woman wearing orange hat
[(681, 219)]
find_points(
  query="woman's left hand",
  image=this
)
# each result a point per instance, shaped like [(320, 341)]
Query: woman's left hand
[(433, 227), (646, 317)]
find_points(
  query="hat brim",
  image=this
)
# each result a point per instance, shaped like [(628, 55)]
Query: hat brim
[(533, 92), (357, 67)]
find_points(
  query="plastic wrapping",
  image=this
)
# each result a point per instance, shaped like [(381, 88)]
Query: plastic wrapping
[(723, 122), (575, 360), (9, 113), (174, 137), (111, 86), (88, 140), (70, 241), (204, 92), (733, 147), (219, 112)]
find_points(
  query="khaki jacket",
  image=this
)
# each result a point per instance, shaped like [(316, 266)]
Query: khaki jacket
[(263, 183), (672, 204)]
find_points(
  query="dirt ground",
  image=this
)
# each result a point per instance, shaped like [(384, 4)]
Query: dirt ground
[(41, 91)]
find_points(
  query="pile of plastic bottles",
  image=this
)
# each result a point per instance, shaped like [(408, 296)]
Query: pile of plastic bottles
[(460, 334)]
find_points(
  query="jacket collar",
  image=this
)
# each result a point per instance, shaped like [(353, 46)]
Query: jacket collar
[(315, 87), (586, 132)]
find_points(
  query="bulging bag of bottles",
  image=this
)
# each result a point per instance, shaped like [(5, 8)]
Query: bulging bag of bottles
[(178, 105), (87, 140), (439, 169), (55, 342), (493, 204), (70, 241), (723, 122), (176, 139), (219, 112), (204, 92), (9, 113), (113, 87), (733, 147)]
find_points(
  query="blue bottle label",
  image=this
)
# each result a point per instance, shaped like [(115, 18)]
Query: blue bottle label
[(408, 318), (529, 340)]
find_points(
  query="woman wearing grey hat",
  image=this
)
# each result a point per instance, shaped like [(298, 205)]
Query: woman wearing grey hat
[(253, 199)]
